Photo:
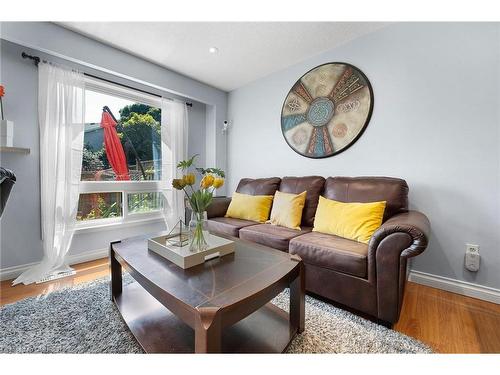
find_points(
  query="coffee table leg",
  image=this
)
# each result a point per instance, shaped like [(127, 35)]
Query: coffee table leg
[(116, 273), (297, 301), (207, 331)]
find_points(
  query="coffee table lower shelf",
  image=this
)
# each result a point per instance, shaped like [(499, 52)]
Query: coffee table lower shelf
[(159, 331)]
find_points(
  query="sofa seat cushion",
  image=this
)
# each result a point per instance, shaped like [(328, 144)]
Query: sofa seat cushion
[(228, 226), (271, 235), (332, 252)]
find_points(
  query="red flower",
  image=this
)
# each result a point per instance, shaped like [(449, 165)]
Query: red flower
[(2, 91)]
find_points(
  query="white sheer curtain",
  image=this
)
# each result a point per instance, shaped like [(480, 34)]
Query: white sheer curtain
[(61, 109), (174, 135)]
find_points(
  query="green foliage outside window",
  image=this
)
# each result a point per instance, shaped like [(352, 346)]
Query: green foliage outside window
[(142, 123), (93, 160), (144, 202), (95, 206)]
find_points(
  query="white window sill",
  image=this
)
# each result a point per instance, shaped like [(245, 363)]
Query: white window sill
[(112, 224)]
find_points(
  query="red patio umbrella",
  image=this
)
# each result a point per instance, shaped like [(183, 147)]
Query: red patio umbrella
[(113, 147)]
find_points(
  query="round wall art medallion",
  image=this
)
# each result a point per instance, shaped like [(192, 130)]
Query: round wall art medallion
[(327, 110)]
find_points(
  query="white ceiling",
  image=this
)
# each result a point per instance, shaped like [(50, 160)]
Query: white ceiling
[(247, 50)]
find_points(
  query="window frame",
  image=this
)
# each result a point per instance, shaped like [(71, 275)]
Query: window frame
[(123, 187)]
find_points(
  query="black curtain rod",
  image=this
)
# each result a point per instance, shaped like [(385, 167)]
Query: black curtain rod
[(37, 60)]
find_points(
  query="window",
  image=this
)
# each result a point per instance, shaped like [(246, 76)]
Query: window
[(93, 206), (144, 202), (109, 195)]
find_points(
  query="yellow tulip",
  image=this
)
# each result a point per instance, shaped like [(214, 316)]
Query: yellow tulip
[(189, 179), (218, 182), (207, 181), (178, 183)]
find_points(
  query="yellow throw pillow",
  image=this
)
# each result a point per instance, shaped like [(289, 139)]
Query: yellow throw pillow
[(287, 209), (355, 221), (250, 207)]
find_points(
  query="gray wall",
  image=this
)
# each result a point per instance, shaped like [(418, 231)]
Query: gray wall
[(20, 224), (435, 123)]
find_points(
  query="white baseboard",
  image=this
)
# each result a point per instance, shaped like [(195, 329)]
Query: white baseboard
[(456, 286), (9, 273), (88, 256)]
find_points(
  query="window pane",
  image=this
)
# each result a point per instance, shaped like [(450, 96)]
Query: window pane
[(144, 202), (138, 131), (99, 206)]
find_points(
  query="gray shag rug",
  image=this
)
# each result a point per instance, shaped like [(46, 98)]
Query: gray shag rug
[(82, 319)]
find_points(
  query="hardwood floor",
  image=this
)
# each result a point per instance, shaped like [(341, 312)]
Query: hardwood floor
[(84, 272), (448, 322)]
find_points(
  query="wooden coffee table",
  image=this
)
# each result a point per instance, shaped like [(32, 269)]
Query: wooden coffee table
[(219, 306)]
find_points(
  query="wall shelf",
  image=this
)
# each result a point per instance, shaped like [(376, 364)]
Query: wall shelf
[(18, 150)]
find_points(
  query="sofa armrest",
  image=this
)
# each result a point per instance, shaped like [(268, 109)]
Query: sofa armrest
[(399, 238), (218, 207), (413, 223)]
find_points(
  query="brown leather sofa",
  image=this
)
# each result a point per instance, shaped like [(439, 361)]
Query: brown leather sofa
[(366, 277)]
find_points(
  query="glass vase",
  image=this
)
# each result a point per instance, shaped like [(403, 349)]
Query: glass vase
[(198, 226)]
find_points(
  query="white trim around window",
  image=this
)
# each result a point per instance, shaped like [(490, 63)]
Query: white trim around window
[(104, 87), (112, 224), (124, 188)]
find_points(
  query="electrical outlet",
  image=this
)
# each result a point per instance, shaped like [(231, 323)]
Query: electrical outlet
[(472, 257), (471, 248)]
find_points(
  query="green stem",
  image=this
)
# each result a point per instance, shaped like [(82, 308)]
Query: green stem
[(187, 195), (193, 200), (198, 241)]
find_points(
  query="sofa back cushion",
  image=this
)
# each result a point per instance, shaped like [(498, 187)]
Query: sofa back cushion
[(258, 186), (369, 189), (313, 185)]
